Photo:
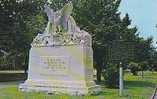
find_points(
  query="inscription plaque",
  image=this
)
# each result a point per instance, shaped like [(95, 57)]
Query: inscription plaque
[(56, 63)]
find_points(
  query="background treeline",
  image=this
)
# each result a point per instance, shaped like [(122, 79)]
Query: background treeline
[(20, 21)]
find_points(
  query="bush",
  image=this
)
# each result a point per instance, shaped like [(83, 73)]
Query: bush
[(111, 75), (134, 68)]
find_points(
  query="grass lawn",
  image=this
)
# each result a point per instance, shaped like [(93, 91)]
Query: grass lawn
[(136, 87)]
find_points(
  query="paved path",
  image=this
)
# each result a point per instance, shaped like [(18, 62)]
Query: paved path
[(155, 94), (155, 97), (11, 71), (7, 84)]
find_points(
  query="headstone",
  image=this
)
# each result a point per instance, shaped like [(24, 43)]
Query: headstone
[(61, 59)]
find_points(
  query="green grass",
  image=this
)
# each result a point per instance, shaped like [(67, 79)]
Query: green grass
[(136, 87)]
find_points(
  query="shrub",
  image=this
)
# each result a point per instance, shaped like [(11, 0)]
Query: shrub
[(111, 75), (134, 68)]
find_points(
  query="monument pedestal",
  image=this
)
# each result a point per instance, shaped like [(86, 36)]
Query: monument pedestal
[(61, 70)]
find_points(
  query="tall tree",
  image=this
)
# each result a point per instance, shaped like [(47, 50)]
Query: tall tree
[(19, 21), (102, 19)]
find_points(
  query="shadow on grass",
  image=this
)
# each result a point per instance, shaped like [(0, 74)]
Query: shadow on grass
[(139, 84), (4, 77)]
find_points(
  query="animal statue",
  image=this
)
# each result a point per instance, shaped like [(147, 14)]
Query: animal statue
[(61, 20), (61, 27)]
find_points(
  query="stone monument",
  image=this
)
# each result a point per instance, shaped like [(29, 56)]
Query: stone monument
[(61, 58)]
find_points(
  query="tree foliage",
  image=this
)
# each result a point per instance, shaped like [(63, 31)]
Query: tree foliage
[(21, 20), (19, 23)]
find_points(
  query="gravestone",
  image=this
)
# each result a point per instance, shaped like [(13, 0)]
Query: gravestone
[(61, 59)]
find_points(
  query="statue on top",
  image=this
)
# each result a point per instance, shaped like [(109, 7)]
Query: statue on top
[(61, 29)]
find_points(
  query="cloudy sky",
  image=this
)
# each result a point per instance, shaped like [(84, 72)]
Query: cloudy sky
[(143, 14)]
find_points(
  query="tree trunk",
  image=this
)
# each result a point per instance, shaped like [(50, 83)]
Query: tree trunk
[(13, 64), (142, 74), (98, 75)]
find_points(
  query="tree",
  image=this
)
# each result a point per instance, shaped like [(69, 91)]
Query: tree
[(98, 19), (144, 51), (143, 67), (102, 20), (110, 75), (153, 61), (20, 21), (134, 67)]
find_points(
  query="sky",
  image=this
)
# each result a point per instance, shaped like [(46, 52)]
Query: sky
[(143, 14)]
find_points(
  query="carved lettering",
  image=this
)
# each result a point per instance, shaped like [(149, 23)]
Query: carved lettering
[(56, 63)]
